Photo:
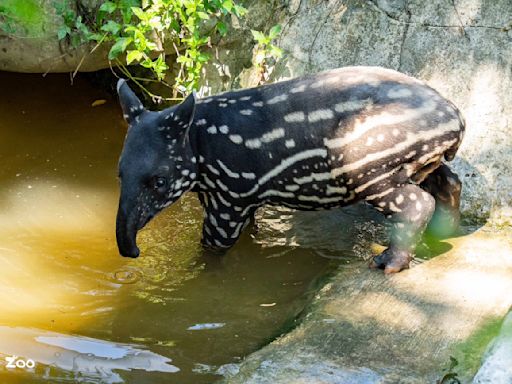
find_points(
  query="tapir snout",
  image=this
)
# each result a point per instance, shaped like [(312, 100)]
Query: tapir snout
[(126, 232)]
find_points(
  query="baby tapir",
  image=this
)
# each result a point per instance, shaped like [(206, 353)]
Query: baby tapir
[(317, 142)]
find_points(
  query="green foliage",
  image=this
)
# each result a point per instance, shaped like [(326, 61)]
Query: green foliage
[(141, 31), (265, 50), (21, 17)]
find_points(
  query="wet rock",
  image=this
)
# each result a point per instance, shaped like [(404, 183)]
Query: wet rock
[(289, 369)]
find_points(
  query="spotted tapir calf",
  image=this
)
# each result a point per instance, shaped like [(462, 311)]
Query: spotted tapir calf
[(317, 142)]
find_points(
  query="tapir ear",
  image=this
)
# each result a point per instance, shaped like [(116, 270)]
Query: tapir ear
[(184, 113), (130, 103)]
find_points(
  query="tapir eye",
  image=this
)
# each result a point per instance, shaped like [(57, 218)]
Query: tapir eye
[(159, 182)]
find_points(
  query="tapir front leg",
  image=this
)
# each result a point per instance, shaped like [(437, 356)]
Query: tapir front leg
[(410, 209), (223, 224)]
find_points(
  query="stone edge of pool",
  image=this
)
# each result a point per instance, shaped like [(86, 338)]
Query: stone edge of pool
[(440, 319)]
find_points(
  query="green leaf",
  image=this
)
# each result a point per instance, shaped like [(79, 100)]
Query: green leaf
[(203, 57), (131, 25), (119, 47), (258, 36), (131, 28), (139, 39), (75, 39), (202, 15), (94, 36), (160, 67), (63, 31), (127, 15), (222, 28), (239, 10), (133, 56), (274, 32), (139, 13), (183, 60), (108, 7), (128, 3), (82, 28), (151, 46), (156, 23), (175, 25), (59, 7), (111, 27), (227, 5), (147, 63)]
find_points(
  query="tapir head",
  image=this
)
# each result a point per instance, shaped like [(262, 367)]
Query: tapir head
[(157, 164)]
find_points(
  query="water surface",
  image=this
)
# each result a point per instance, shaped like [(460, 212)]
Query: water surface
[(69, 302)]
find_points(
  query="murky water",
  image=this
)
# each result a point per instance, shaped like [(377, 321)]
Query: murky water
[(79, 311)]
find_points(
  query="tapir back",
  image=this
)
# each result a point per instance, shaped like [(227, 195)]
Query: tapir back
[(322, 140)]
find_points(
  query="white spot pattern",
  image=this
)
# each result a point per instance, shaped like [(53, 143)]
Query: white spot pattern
[(319, 115), (295, 117), (277, 99), (265, 138), (237, 139), (298, 89)]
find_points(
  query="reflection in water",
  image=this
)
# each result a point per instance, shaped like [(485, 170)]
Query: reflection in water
[(199, 327), (97, 360), (71, 303), (334, 234)]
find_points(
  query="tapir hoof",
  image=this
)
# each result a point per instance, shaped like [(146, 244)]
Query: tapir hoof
[(391, 261)]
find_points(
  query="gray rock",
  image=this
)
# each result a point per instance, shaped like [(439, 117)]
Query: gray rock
[(497, 365)]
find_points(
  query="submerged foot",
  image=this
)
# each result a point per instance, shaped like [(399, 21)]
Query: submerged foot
[(444, 223), (392, 261)]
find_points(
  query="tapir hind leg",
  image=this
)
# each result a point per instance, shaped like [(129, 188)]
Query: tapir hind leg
[(446, 187), (410, 208)]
